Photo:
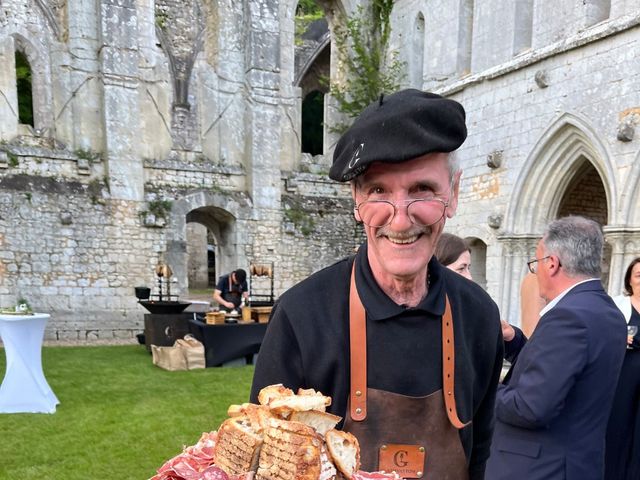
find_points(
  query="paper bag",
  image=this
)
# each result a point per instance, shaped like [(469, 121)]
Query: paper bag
[(193, 351), (169, 358)]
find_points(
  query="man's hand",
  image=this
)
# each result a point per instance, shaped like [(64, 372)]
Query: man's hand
[(508, 332)]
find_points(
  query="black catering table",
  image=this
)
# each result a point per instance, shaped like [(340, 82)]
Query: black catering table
[(225, 342)]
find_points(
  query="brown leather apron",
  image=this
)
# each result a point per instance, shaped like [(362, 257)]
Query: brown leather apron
[(415, 436)]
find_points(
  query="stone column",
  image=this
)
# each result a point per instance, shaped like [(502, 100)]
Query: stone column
[(263, 79), (119, 64), (8, 93), (517, 251), (264, 123), (625, 246), (78, 103)]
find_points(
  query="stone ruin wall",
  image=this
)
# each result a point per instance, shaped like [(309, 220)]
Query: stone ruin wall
[(206, 116)]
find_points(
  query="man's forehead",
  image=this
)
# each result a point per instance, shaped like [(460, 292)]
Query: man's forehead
[(431, 166)]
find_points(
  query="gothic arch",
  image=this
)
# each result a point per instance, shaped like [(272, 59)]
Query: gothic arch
[(38, 58), (549, 168), (224, 214)]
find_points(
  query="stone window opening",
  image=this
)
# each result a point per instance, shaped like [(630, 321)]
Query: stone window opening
[(478, 260), (596, 11), (23, 88), (523, 28), (465, 37), (416, 65), (312, 123)]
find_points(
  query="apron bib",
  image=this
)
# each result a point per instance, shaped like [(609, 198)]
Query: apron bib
[(233, 296), (415, 436)]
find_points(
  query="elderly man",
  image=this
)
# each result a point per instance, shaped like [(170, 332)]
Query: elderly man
[(552, 412), (409, 351)]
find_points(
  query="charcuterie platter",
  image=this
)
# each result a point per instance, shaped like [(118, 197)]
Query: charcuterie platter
[(287, 436)]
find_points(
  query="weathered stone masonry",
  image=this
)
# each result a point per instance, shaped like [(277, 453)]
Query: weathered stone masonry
[(140, 104)]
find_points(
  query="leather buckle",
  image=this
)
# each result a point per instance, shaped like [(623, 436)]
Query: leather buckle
[(408, 461)]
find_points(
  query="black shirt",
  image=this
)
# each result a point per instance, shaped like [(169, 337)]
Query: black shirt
[(307, 344)]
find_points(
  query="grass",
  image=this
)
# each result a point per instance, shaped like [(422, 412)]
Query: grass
[(119, 415)]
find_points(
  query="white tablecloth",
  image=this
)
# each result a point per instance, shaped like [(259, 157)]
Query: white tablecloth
[(24, 388)]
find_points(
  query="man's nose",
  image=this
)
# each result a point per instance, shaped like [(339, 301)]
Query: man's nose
[(401, 219)]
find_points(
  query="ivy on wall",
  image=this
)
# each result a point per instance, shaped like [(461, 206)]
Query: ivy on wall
[(370, 68)]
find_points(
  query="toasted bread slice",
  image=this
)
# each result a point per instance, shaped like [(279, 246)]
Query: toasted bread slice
[(257, 414), (284, 406), (237, 410), (321, 422), (272, 392), (291, 451), (238, 446), (344, 450)]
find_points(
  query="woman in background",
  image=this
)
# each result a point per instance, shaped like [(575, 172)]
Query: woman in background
[(622, 452), (454, 253)]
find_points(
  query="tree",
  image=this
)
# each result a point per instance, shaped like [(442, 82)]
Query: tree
[(371, 69)]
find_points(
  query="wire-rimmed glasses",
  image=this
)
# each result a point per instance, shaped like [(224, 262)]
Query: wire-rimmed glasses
[(533, 264), (423, 212)]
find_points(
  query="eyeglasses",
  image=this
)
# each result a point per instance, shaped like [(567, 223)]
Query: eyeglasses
[(533, 264), (421, 211)]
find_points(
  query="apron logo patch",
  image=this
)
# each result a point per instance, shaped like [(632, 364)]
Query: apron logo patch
[(406, 460)]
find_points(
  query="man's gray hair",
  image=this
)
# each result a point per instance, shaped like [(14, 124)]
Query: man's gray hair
[(454, 166), (577, 242)]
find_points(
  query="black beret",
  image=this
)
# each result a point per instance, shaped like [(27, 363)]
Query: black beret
[(399, 127)]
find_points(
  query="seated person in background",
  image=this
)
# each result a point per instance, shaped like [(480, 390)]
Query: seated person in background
[(454, 253), (231, 289)]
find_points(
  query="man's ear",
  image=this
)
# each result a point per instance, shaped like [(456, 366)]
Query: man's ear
[(553, 264), (453, 196)]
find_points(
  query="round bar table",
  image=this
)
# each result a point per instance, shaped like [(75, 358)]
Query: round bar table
[(24, 388)]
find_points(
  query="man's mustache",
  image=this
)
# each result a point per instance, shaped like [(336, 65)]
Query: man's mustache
[(412, 232)]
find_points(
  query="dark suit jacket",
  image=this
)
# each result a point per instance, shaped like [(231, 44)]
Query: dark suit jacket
[(552, 414)]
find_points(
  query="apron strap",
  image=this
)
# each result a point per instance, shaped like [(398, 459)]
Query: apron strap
[(358, 344), (448, 367), (358, 358)]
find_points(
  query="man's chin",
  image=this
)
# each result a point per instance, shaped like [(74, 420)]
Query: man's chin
[(406, 268)]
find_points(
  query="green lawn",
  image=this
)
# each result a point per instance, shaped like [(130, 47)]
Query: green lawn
[(119, 417)]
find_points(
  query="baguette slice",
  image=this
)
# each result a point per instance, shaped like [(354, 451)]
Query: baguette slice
[(286, 405), (321, 422), (291, 451), (258, 415), (272, 392), (238, 446), (344, 450)]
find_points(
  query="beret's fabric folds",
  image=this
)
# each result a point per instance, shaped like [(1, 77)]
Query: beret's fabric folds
[(399, 127)]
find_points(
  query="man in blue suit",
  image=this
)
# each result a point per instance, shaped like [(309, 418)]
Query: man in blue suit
[(552, 410)]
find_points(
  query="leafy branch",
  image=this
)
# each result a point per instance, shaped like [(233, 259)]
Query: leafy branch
[(371, 69)]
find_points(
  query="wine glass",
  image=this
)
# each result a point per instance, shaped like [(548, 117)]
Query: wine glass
[(631, 331)]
